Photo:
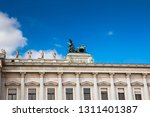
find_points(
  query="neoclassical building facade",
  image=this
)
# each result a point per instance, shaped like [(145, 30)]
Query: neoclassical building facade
[(76, 77)]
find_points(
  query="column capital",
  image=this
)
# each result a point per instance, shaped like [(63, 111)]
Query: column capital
[(77, 73), (128, 75), (59, 73), (111, 74), (95, 74), (42, 74), (22, 74), (144, 75)]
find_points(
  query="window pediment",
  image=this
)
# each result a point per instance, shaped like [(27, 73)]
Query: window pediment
[(103, 83), (120, 83), (32, 83), (69, 83), (86, 83), (137, 84), (51, 83), (12, 83)]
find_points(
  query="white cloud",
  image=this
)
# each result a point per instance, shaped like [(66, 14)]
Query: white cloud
[(58, 45), (110, 33), (11, 36), (47, 54)]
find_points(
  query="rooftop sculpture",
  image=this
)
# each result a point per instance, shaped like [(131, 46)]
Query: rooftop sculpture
[(17, 53), (29, 54), (42, 55), (3, 52), (71, 48)]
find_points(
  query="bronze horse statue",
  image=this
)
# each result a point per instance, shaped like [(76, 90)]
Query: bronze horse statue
[(80, 49), (71, 48)]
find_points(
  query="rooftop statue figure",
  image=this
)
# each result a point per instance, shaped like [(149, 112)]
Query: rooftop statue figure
[(17, 53), (71, 46), (42, 55), (4, 52), (54, 54), (29, 54)]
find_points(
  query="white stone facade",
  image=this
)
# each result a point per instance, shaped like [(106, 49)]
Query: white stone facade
[(101, 81)]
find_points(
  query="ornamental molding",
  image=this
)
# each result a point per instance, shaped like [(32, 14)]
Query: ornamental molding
[(86, 83), (32, 83), (120, 83), (12, 83), (51, 83), (137, 83), (103, 83), (69, 83)]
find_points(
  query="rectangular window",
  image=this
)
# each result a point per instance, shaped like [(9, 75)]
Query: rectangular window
[(69, 93), (12, 94), (32, 94), (104, 94), (137, 92), (51, 93), (121, 95), (87, 94)]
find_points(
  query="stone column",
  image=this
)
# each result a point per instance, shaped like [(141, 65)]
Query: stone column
[(112, 88), (95, 86), (60, 86), (22, 85), (41, 85), (130, 95), (146, 92), (78, 86)]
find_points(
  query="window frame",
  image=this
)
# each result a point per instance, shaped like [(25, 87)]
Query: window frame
[(90, 93), (107, 92), (121, 92), (141, 92), (72, 93), (54, 93), (35, 93), (8, 92)]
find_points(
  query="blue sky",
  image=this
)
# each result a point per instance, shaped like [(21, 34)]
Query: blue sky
[(114, 31)]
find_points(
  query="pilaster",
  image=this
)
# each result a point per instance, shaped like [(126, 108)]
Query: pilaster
[(41, 85), (78, 86), (60, 85), (146, 92), (22, 85), (130, 95), (95, 86), (112, 88)]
